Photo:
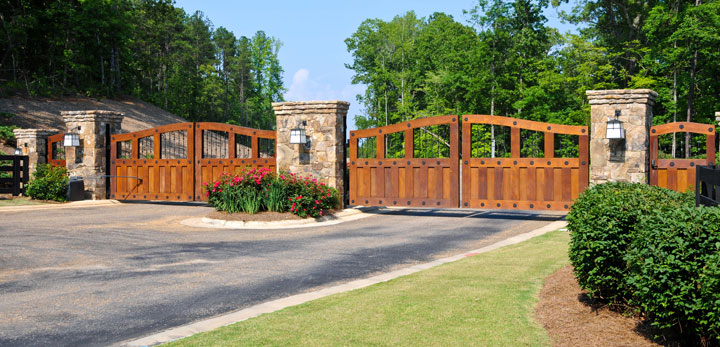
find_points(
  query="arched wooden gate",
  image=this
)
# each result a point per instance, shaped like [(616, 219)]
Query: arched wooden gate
[(390, 173), (676, 173), (171, 162)]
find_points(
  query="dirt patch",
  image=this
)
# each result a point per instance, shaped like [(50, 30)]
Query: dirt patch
[(44, 113), (573, 320), (257, 217)]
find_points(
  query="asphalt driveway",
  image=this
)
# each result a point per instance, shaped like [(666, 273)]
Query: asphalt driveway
[(105, 274)]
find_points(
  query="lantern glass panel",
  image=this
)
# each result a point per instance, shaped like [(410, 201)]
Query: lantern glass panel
[(614, 130), (71, 140), (297, 136)]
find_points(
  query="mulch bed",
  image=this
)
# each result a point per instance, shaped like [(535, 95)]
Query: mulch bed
[(572, 319), (257, 217)]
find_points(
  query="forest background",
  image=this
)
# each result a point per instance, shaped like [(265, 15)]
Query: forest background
[(503, 59)]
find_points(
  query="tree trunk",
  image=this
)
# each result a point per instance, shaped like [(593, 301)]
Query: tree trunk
[(691, 94)]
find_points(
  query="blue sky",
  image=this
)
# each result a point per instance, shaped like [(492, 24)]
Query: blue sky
[(313, 34)]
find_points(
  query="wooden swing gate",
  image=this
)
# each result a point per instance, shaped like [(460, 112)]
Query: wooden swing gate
[(424, 163), (171, 162), (673, 173)]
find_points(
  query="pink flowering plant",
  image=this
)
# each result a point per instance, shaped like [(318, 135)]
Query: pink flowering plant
[(258, 189), (308, 197)]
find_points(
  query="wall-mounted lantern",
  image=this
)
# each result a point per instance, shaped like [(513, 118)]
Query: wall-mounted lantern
[(18, 151), (299, 137), (614, 130), (71, 139)]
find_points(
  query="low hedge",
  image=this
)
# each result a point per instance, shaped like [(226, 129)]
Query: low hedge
[(675, 271), (603, 222), (651, 249)]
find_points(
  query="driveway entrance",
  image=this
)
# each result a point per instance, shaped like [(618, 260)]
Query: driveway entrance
[(101, 275)]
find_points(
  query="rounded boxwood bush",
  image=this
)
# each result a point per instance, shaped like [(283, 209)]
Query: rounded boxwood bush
[(48, 183), (675, 271), (602, 224)]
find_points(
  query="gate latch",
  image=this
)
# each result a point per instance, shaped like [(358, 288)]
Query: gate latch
[(653, 165)]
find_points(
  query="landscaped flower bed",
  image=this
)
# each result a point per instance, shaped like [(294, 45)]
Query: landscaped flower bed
[(255, 190)]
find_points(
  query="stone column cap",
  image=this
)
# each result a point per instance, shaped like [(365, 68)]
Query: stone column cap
[(295, 107), (33, 133), (92, 115), (621, 96)]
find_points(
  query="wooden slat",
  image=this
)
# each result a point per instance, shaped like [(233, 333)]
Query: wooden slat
[(549, 145)]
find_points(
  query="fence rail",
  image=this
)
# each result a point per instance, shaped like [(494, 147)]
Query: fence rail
[(14, 174), (707, 182)]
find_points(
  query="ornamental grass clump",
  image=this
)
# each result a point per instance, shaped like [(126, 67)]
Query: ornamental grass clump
[(255, 190)]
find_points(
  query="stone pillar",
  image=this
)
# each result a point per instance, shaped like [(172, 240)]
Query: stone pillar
[(326, 129), (33, 143), (89, 159), (620, 160)]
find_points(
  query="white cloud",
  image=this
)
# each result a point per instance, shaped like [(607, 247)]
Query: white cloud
[(305, 87)]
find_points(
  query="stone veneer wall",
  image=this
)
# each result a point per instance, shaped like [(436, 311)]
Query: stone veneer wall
[(630, 162), (325, 127), (33, 143), (92, 166)]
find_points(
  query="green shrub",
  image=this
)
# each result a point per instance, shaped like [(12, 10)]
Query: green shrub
[(675, 270), (602, 223), (48, 183), (307, 197), (254, 190)]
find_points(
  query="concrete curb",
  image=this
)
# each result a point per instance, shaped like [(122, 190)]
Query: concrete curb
[(74, 204), (348, 214), (279, 304)]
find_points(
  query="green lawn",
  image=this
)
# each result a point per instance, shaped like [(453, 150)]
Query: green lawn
[(487, 299)]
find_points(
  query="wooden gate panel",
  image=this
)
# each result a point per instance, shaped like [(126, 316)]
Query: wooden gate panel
[(408, 181), (56, 150), (545, 183), (679, 174), (233, 157), (154, 172)]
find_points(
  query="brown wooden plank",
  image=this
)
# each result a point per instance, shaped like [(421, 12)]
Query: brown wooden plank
[(374, 186), (567, 184), (483, 182), (531, 184), (401, 182), (549, 184), (683, 183), (363, 183), (653, 158), (515, 182), (380, 146), (558, 184), (499, 181), (522, 184), (549, 149), (514, 142), (388, 182), (421, 182), (576, 186), (584, 169), (432, 186), (540, 187), (662, 178), (474, 186), (672, 179), (710, 148), (490, 185), (447, 183)]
